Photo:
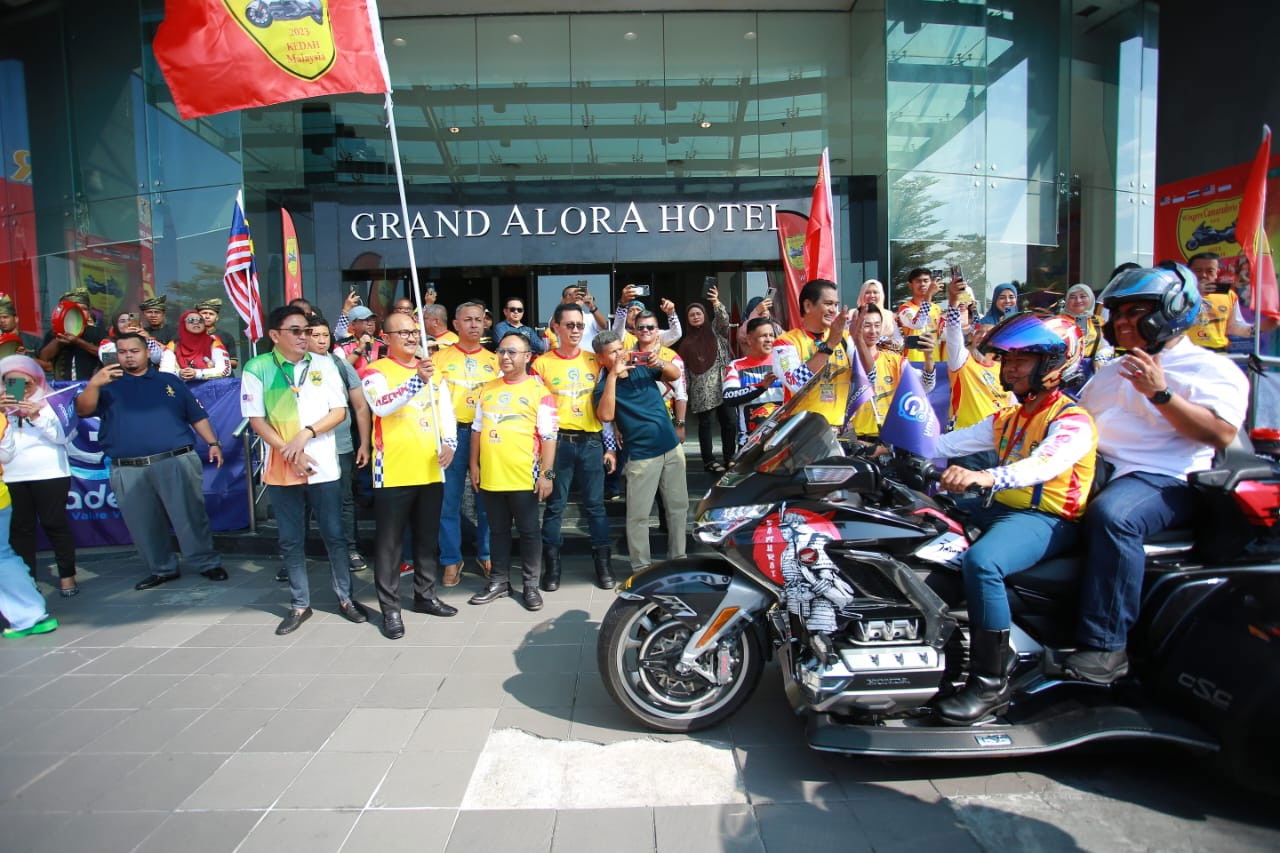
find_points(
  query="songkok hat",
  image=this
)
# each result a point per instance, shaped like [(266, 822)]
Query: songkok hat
[(6, 304), (214, 305), (153, 302), (80, 295)]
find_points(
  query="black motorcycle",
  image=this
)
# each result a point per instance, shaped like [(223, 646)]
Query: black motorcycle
[(1206, 235), (849, 571)]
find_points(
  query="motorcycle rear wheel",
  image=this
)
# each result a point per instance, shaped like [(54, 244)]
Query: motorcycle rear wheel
[(656, 695)]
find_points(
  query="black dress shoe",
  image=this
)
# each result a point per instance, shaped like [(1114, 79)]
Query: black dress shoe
[(392, 625), (155, 580), (532, 599), (433, 607), (217, 573), (491, 592), (1097, 666), (282, 576), (353, 611), (291, 622)]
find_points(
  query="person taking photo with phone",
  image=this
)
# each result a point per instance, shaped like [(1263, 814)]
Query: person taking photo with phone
[(39, 474), (705, 352), (147, 420)]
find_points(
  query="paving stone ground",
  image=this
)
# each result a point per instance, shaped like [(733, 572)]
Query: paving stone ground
[(175, 720)]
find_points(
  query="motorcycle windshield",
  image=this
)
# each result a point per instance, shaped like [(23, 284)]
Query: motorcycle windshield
[(791, 437)]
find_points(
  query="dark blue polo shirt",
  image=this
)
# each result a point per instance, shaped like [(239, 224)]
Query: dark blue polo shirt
[(640, 414), (142, 415)]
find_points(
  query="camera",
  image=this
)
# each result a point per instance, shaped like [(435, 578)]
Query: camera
[(640, 289)]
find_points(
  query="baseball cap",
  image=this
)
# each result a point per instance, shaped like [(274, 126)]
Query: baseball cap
[(360, 312)]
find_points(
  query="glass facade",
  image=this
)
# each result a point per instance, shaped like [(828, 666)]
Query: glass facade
[(1010, 137)]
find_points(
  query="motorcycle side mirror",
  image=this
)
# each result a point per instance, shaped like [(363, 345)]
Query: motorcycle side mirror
[(856, 475)]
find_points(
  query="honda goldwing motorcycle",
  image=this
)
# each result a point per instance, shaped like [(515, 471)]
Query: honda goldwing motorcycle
[(848, 571), (1206, 235)]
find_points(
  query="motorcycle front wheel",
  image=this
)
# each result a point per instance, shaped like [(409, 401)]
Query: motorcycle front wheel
[(638, 650)]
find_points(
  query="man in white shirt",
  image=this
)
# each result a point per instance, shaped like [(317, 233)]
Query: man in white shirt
[(1161, 410), (293, 402)]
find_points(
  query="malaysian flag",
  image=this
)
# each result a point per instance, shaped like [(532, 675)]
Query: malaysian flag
[(241, 277)]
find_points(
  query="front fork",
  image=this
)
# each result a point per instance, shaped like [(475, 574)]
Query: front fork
[(713, 630)]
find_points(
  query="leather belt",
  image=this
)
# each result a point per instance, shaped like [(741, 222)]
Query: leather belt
[(577, 435), (143, 461)]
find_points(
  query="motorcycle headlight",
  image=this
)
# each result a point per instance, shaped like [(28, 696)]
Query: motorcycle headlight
[(715, 525)]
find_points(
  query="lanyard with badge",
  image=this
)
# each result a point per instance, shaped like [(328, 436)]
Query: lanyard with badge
[(827, 390), (287, 368)]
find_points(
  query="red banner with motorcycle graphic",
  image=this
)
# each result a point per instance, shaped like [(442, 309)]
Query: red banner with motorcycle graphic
[(219, 55), (792, 227), (1200, 215)]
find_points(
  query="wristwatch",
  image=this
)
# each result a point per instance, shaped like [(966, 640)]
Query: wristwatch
[(1160, 398), (678, 423), (215, 444), (550, 475), (824, 348)]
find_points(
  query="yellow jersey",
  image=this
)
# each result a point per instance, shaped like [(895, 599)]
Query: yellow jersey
[(911, 323), (512, 418), (465, 372), (1017, 436), (571, 381), (792, 352), (870, 415), (1210, 329), (976, 392), (404, 439)]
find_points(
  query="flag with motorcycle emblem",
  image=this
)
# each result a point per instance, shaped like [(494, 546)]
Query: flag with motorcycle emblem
[(911, 424), (220, 55)]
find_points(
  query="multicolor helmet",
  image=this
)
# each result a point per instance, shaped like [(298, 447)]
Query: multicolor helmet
[(1056, 339)]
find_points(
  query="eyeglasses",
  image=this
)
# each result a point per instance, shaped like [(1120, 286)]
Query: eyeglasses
[(406, 334), (513, 352), (515, 310), (293, 330), (646, 328), (573, 325), (195, 321)]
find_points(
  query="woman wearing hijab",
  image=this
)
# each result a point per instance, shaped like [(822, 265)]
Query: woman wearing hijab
[(1079, 306), (1004, 302), (705, 350), (38, 474), (21, 603), (194, 355), (872, 293)]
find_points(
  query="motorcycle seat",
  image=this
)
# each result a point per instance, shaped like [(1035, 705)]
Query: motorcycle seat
[(1059, 578)]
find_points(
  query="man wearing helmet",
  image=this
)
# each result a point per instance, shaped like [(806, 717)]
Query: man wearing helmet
[(1045, 446), (1162, 410)]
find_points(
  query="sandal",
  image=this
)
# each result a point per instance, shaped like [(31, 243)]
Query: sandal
[(68, 591), (713, 468)]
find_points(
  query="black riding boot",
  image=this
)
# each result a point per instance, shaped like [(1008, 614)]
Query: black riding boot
[(604, 574), (550, 568), (987, 690)]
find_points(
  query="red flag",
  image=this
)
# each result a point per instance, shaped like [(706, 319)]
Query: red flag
[(1251, 233), (791, 235), (218, 56), (292, 260), (241, 277), (820, 240)]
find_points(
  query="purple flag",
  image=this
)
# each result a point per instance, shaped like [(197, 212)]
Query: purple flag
[(860, 389), (910, 423)]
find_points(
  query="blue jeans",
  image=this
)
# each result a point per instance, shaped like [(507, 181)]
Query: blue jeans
[(455, 480), (581, 462), (1118, 520), (290, 505), (20, 602), (1013, 541)]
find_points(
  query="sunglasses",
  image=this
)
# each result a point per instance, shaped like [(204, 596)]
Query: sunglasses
[(573, 325), (646, 328), (293, 330), (513, 352), (516, 310)]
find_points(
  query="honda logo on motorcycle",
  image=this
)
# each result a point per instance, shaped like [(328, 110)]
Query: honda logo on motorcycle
[(295, 34)]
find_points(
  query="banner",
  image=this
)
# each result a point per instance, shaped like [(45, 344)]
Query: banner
[(92, 507), (1200, 215), (791, 234), (820, 238), (218, 56), (292, 260), (18, 276)]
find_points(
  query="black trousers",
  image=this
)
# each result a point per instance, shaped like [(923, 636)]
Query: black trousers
[(728, 433), (45, 500), (521, 507), (394, 507)]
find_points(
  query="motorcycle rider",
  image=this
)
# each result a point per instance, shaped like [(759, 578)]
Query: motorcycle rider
[(1162, 410), (1046, 450)]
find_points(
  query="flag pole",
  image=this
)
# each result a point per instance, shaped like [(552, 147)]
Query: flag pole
[(408, 242)]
